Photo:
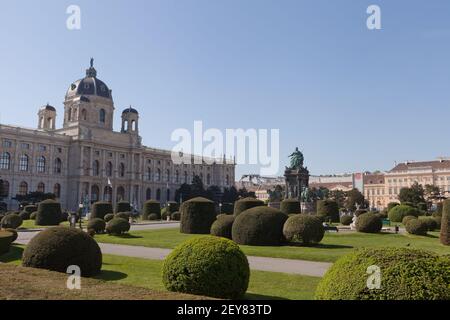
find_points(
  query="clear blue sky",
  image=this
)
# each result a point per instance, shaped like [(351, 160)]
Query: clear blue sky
[(350, 98)]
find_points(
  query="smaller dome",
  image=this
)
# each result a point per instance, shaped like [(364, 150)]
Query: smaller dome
[(130, 110), (48, 107)]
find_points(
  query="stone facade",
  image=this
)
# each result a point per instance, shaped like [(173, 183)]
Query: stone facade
[(87, 158)]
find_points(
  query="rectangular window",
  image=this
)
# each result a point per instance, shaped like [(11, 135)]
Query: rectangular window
[(25, 145), (42, 148), (7, 144)]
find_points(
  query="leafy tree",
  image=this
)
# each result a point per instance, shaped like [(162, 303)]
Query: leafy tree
[(353, 199), (338, 196), (432, 192), (230, 195), (243, 193), (34, 197), (277, 194), (414, 194)]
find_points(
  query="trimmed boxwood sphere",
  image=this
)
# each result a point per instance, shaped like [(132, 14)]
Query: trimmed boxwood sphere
[(431, 224), (117, 226), (109, 217), (151, 207), (176, 216), (27, 211), (12, 221), (197, 216), (14, 232), (96, 224), (33, 215), (222, 226), (209, 266), (49, 213), (346, 220), (407, 218), (6, 238), (100, 209), (289, 206), (406, 274), (303, 228), (123, 206), (416, 226), (328, 209), (123, 215), (369, 223), (259, 226), (153, 217), (246, 203), (57, 248), (397, 213)]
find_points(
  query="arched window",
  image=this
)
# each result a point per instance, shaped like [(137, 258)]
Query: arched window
[(40, 164), (109, 169), (158, 194), (148, 174), (57, 190), (69, 115), (102, 116), (120, 194), (107, 194), (23, 188), (95, 191), (177, 176), (122, 170), (158, 175), (168, 195), (96, 168), (208, 179), (58, 166), (84, 114), (185, 177), (133, 125), (5, 161), (148, 194), (4, 189), (23, 163), (168, 175), (41, 187)]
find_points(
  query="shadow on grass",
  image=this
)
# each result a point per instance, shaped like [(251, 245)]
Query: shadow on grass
[(14, 254), (254, 296), (108, 275)]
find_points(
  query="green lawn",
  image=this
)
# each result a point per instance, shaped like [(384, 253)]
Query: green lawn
[(330, 249), (147, 273), (29, 224)]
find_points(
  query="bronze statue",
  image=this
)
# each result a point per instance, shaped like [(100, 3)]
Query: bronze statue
[(296, 159)]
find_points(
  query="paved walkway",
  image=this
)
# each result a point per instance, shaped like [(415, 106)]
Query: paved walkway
[(301, 267)]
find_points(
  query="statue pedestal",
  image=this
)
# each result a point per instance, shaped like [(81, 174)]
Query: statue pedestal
[(296, 181)]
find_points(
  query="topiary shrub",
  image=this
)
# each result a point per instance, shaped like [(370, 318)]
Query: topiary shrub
[(100, 210), (209, 266), (438, 222), (173, 206), (222, 226), (445, 224), (406, 274), (14, 232), (12, 221), (303, 228), (117, 226), (259, 226), (246, 203), (151, 207), (122, 206), (153, 217), (407, 218), (360, 212), (328, 209), (431, 224), (346, 220), (422, 206), (197, 216), (33, 215), (392, 205), (227, 208), (27, 211), (49, 213), (289, 206), (57, 248), (97, 224), (438, 212), (368, 223), (416, 226), (109, 217), (6, 238), (176, 216), (123, 215), (397, 213)]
